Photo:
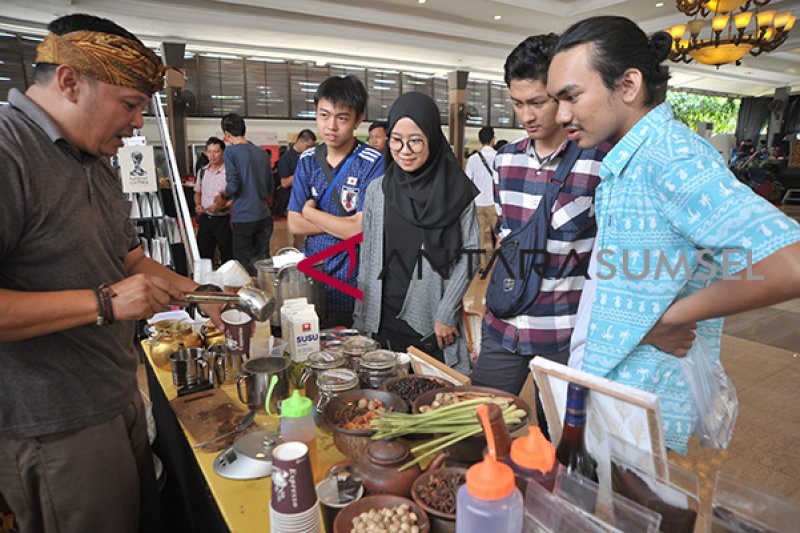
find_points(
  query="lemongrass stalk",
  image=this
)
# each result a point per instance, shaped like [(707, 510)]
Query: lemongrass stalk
[(457, 438)]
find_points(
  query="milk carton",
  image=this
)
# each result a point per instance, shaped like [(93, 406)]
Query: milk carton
[(288, 306), (303, 332)]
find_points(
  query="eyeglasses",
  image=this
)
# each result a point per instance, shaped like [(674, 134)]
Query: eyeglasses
[(416, 145)]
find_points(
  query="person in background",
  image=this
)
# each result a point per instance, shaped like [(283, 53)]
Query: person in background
[(665, 192), (248, 184), (202, 160), (423, 203), (329, 185), (214, 222), (499, 144), (287, 164), (377, 135), (74, 452), (523, 169), (480, 169)]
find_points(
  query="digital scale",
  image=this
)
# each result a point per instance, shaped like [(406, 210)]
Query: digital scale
[(250, 457)]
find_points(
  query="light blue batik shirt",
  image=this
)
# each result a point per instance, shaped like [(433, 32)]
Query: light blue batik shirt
[(665, 194)]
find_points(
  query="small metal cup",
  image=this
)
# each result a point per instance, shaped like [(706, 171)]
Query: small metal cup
[(188, 367), (226, 366)]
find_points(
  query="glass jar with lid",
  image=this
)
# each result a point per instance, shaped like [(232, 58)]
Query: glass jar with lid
[(317, 363), (330, 384), (376, 367), (354, 349), (335, 347)]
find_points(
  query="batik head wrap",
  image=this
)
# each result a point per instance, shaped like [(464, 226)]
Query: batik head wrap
[(105, 57)]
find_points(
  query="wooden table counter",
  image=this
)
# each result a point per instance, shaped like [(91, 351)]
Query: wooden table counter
[(244, 505)]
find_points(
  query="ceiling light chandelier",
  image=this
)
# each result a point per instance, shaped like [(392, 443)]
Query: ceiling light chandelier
[(731, 35)]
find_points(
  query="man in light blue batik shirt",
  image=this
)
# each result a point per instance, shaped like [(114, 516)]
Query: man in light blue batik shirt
[(681, 242)]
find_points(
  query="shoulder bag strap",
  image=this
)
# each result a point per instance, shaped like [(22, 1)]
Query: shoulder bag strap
[(485, 164), (559, 177)]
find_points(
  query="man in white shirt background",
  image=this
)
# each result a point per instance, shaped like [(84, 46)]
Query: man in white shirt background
[(480, 169)]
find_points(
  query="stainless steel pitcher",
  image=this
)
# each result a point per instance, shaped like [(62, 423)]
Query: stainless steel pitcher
[(253, 385), (287, 282)]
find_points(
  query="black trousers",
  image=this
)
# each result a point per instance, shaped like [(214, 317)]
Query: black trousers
[(251, 242), (215, 232), (397, 335), (505, 370)]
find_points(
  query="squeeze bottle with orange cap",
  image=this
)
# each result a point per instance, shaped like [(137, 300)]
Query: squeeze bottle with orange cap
[(533, 458), (489, 501)]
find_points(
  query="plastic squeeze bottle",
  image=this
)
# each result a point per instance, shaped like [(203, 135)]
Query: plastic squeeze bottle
[(533, 458), (297, 419), (489, 500)]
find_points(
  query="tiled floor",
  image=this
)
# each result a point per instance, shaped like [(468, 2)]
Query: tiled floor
[(760, 353)]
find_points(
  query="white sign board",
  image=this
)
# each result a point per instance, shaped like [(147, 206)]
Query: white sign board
[(629, 414), (137, 169)]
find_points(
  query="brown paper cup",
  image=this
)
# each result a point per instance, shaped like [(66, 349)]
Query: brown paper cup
[(293, 488), (238, 330)]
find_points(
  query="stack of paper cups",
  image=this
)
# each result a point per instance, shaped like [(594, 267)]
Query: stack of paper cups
[(294, 507)]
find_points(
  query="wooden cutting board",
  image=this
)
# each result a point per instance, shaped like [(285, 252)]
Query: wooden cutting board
[(208, 414)]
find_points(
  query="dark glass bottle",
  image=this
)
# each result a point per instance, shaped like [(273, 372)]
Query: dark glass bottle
[(571, 450)]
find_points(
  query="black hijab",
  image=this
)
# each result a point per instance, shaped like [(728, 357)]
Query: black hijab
[(433, 197)]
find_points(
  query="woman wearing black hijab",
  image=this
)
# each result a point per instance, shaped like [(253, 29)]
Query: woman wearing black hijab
[(422, 208)]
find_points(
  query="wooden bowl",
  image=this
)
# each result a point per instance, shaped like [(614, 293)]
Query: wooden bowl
[(441, 522), (344, 520), (470, 450), (353, 442), (393, 382)]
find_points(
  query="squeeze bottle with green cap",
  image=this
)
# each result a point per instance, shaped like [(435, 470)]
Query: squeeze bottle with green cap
[(533, 458), (489, 501), (297, 419)]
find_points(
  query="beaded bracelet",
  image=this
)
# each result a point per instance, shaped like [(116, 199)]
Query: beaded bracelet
[(106, 294)]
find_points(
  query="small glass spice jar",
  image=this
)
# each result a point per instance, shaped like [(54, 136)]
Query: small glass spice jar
[(345, 334), (356, 347), (376, 367), (330, 384), (325, 337), (317, 363), (335, 347)]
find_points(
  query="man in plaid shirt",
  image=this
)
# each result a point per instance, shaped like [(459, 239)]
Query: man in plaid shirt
[(522, 170)]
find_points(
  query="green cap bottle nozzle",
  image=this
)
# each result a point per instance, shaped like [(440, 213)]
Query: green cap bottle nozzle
[(296, 406)]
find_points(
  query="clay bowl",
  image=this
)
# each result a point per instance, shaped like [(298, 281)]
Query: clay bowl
[(353, 442), (344, 520), (470, 450), (440, 522), (392, 384)]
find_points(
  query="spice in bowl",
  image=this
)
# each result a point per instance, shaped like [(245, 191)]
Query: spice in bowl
[(359, 415), (410, 388), (443, 399), (398, 518), (439, 492)]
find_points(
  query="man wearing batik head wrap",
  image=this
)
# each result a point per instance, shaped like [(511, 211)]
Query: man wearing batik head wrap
[(74, 454)]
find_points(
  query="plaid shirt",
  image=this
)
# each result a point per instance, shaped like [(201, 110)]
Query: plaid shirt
[(520, 180)]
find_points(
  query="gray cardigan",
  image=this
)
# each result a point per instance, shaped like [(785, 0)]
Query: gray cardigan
[(430, 297)]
